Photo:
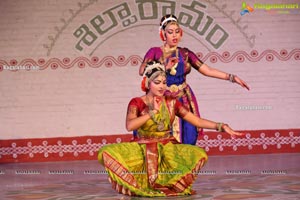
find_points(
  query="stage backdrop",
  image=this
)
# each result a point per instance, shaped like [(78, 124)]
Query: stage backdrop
[(69, 68)]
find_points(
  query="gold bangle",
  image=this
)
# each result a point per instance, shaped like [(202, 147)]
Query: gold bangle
[(231, 78), (219, 127)]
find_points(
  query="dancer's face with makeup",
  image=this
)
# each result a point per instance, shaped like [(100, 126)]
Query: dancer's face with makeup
[(158, 85), (172, 34)]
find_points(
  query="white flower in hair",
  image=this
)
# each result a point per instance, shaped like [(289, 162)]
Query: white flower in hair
[(151, 67), (166, 21)]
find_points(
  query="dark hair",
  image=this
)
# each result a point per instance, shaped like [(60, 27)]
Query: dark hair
[(163, 26)]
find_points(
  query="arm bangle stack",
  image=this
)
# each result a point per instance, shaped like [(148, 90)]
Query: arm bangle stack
[(231, 78), (219, 127)]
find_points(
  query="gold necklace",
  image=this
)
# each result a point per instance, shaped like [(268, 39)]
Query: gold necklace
[(169, 50), (173, 70)]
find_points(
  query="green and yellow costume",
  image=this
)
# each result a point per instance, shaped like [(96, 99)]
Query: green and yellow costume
[(154, 164)]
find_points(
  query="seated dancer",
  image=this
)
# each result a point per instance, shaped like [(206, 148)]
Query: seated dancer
[(155, 164)]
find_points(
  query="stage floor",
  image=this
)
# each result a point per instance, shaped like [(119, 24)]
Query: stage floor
[(264, 176)]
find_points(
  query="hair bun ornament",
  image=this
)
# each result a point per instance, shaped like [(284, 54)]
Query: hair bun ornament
[(152, 67), (166, 20)]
